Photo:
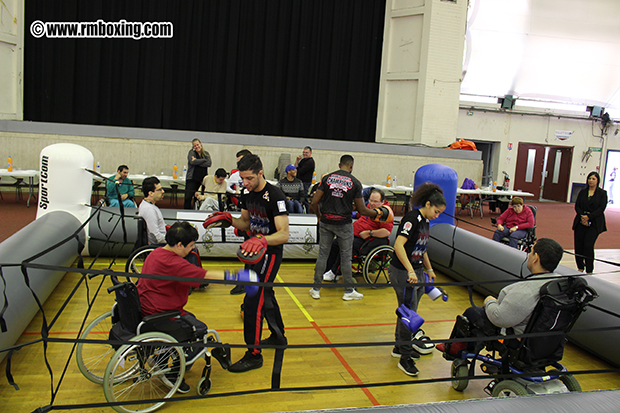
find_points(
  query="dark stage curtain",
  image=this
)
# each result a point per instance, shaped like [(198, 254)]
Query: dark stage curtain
[(306, 68)]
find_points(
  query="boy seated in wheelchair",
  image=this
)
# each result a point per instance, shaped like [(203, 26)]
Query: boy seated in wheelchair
[(368, 234), (513, 307), (160, 296)]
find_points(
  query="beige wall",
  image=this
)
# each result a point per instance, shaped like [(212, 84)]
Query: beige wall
[(155, 156)]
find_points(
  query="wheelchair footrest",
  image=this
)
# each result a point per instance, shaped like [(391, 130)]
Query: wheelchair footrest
[(222, 354)]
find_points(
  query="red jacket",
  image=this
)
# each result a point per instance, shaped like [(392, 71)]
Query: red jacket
[(365, 223), (510, 218)]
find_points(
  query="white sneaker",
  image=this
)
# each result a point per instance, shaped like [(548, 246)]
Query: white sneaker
[(353, 295), (315, 294), (329, 276)]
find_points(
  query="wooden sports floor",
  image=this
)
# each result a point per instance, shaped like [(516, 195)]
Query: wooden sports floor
[(326, 321)]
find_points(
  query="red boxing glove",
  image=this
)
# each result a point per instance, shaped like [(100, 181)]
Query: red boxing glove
[(218, 220), (239, 233), (252, 250), (167, 228)]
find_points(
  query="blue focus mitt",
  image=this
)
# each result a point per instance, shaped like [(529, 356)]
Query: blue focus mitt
[(244, 275), (410, 318)]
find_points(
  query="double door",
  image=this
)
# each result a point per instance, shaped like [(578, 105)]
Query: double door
[(544, 170)]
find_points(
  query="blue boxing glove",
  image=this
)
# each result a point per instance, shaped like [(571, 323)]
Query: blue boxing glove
[(432, 291), (244, 275), (410, 318)]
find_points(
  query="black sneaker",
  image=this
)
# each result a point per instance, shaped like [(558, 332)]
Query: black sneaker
[(237, 290), (396, 353), (272, 340), (169, 378), (248, 362), (408, 367)]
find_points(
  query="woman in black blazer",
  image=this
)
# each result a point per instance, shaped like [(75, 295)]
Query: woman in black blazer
[(589, 221)]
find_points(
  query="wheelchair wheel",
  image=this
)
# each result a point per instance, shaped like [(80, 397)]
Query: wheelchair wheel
[(147, 372), (458, 371), (509, 388), (376, 266), (203, 386), (92, 359), (569, 380), (136, 260)]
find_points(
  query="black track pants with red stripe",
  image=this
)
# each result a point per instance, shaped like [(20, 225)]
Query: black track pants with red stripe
[(263, 304)]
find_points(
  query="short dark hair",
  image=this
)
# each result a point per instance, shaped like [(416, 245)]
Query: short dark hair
[(377, 191), (121, 168), (308, 148), (346, 160), (250, 163), (221, 173), (182, 232), (243, 152), (148, 185), (598, 178), (550, 253)]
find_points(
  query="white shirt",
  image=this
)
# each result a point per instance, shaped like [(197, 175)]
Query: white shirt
[(154, 222), (234, 184)]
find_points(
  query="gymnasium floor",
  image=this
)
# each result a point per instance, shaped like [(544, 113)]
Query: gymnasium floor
[(326, 321)]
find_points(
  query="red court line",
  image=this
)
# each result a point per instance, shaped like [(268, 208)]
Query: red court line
[(346, 366)]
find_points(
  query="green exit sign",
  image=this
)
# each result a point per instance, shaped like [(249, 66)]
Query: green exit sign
[(593, 149)]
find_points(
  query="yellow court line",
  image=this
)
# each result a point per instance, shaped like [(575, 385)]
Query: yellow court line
[(296, 301)]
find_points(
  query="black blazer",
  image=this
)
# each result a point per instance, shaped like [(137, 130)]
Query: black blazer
[(593, 207)]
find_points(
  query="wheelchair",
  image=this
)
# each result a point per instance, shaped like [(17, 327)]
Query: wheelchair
[(374, 265), (561, 302), (524, 244), (154, 367)]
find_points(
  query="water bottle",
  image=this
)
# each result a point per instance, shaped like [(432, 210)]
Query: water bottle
[(175, 168), (184, 171), (394, 182), (314, 178), (9, 164), (388, 181), (98, 168), (494, 186)]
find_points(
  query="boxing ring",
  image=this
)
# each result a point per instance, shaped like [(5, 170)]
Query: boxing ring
[(34, 260)]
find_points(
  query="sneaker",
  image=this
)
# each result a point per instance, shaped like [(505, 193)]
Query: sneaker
[(202, 288), (316, 294), (421, 344), (353, 295), (169, 378), (273, 341), (329, 276), (396, 353), (248, 362), (407, 365), (238, 289)]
